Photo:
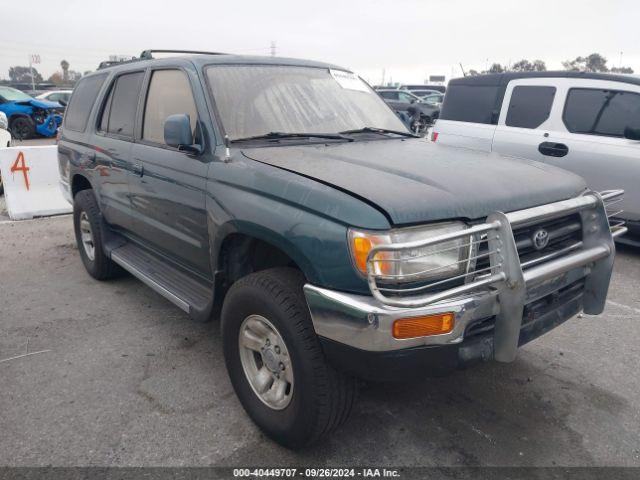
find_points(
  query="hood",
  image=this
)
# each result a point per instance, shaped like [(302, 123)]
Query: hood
[(36, 102), (414, 181)]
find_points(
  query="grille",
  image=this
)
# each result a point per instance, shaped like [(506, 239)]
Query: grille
[(564, 233)]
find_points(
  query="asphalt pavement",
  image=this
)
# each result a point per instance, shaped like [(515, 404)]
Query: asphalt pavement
[(118, 376)]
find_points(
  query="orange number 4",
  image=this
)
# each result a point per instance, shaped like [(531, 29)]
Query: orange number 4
[(20, 166)]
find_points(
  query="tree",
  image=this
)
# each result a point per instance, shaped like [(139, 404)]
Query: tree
[(539, 66), (522, 66), (621, 70), (495, 68), (23, 75), (591, 63), (56, 79)]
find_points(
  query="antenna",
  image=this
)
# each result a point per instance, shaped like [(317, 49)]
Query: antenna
[(464, 74)]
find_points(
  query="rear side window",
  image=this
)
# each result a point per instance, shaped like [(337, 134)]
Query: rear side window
[(466, 103), (600, 112), (169, 94), (82, 101), (119, 113), (530, 106)]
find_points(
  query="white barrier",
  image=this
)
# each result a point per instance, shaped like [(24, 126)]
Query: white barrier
[(31, 182)]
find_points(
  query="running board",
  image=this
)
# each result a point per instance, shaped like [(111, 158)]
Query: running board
[(188, 293)]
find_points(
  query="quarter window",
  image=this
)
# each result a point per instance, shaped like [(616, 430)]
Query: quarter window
[(119, 113), (530, 106), (82, 101), (169, 94), (601, 112), (467, 103)]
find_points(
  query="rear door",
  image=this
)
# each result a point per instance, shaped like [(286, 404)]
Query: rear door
[(591, 119), (168, 195), (525, 119), (114, 141)]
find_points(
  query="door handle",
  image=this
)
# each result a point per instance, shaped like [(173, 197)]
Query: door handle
[(552, 149), (138, 169)]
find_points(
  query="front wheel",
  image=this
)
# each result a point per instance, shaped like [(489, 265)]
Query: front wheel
[(23, 128), (275, 361)]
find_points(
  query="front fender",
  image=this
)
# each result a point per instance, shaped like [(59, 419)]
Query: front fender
[(305, 219)]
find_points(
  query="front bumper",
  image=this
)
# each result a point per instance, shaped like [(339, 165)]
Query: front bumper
[(49, 127), (363, 324)]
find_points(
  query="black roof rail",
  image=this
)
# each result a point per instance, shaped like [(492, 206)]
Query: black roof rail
[(148, 54), (113, 63)]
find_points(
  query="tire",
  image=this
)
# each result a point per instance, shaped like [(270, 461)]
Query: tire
[(320, 397), (23, 128), (87, 213)]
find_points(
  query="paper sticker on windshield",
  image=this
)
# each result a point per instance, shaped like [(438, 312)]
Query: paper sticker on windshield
[(349, 80)]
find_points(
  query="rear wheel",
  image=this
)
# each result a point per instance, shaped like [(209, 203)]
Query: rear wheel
[(87, 223), (275, 361)]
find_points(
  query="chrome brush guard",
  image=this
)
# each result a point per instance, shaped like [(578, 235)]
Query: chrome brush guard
[(505, 273)]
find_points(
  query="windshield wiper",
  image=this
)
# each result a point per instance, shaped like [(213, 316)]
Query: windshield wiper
[(381, 131), (285, 135)]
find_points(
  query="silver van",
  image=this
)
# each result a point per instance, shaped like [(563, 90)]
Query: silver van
[(587, 123)]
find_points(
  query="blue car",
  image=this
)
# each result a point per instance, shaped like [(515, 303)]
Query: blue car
[(29, 116)]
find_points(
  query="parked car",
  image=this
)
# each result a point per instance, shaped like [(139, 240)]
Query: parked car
[(405, 101), (434, 99), (29, 116), (5, 140), (423, 93), (588, 123), (411, 88), (337, 244), (59, 96)]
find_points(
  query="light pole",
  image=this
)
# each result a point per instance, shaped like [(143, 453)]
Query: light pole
[(33, 83)]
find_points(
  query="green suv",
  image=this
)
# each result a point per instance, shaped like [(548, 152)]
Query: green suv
[(288, 196)]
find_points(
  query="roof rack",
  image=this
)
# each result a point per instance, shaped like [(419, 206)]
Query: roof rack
[(148, 54)]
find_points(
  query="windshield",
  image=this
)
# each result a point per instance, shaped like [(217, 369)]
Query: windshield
[(13, 95), (258, 99)]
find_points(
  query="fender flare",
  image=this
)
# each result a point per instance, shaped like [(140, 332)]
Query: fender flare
[(266, 235)]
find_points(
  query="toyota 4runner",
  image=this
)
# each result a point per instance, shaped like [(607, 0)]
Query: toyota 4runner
[(336, 243)]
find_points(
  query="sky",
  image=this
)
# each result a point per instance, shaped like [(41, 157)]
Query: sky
[(406, 40)]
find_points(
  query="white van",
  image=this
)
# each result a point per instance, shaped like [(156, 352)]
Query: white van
[(588, 123)]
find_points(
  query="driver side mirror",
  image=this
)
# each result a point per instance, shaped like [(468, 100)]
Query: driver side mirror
[(177, 133), (62, 102), (632, 133)]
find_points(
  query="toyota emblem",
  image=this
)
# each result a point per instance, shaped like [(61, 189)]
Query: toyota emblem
[(540, 239)]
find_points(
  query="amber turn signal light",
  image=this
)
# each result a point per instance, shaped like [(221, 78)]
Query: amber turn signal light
[(423, 326)]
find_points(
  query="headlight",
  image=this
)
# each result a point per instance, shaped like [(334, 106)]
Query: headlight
[(442, 260)]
